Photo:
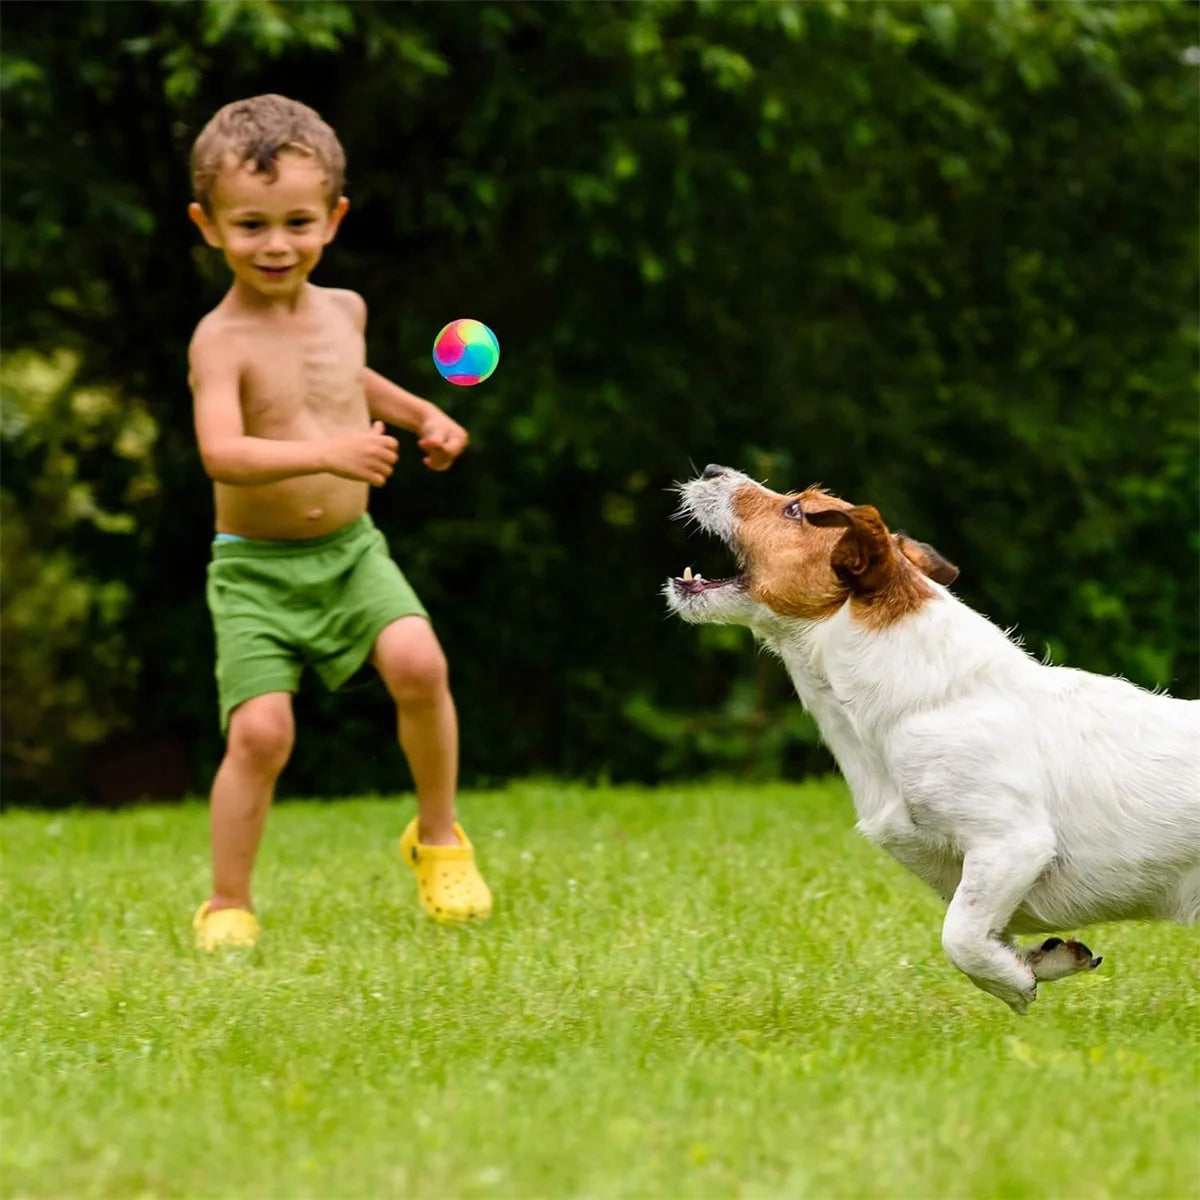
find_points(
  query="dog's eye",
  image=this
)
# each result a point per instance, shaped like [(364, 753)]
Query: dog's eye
[(793, 511)]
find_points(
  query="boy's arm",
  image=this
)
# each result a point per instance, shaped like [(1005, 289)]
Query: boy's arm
[(391, 403), (441, 437), (231, 457)]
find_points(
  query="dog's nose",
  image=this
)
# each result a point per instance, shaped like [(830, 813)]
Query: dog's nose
[(712, 471)]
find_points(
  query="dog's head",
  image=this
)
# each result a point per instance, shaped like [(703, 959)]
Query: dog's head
[(801, 555)]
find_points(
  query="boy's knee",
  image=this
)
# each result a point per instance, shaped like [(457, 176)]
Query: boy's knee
[(419, 678), (262, 734)]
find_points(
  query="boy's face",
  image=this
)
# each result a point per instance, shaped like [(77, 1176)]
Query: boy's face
[(272, 232)]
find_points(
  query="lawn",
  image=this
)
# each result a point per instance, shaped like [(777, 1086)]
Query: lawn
[(714, 990)]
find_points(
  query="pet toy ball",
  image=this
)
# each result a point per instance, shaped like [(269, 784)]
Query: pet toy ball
[(465, 352)]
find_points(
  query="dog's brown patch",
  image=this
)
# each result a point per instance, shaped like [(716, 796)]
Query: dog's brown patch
[(787, 561), (805, 563), (883, 585)]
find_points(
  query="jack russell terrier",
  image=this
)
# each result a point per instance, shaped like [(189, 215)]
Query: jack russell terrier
[(1033, 798)]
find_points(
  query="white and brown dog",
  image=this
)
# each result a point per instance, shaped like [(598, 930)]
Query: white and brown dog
[(1032, 797)]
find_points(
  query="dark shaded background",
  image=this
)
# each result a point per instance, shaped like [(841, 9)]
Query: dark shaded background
[(940, 257)]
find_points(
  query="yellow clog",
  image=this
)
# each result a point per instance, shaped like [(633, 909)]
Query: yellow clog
[(225, 927), (449, 884)]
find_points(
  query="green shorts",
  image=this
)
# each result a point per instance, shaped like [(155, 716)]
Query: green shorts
[(278, 607)]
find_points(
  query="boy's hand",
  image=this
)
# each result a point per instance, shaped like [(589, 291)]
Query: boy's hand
[(442, 439), (370, 457)]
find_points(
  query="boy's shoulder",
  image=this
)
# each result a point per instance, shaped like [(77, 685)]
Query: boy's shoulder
[(351, 303), (222, 327), (214, 331)]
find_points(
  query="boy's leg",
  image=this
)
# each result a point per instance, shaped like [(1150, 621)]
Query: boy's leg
[(409, 658), (261, 733)]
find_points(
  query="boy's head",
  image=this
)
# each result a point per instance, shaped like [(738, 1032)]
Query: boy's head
[(267, 175), (253, 133)]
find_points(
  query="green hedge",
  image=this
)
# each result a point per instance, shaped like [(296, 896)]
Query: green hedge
[(940, 256)]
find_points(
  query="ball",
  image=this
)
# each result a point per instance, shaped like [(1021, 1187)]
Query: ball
[(465, 352)]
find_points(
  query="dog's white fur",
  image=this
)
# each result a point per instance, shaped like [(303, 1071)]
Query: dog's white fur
[(1032, 797)]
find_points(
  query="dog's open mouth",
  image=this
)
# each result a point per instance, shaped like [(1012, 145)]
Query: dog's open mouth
[(694, 583)]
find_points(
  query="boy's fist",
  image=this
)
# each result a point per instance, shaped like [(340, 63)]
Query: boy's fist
[(370, 457), (443, 440)]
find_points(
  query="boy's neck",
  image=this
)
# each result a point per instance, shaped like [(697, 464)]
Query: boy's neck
[(241, 297)]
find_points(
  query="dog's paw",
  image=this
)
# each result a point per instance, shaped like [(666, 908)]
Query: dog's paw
[(1056, 959)]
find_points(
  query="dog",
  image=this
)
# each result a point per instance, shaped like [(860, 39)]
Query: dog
[(1033, 798)]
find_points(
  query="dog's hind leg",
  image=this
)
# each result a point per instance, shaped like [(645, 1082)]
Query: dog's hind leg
[(996, 876)]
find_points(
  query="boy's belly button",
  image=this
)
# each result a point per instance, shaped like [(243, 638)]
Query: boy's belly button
[(315, 514)]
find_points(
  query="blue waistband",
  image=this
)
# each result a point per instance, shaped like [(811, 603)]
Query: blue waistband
[(238, 546)]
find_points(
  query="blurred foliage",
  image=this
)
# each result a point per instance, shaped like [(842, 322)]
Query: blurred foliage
[(940, 256), (80, 459)]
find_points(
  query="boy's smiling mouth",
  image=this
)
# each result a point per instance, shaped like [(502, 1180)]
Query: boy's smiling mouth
[(274, 272)]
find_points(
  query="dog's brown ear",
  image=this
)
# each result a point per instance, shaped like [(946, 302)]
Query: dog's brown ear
[(863, 554), (927, 560)]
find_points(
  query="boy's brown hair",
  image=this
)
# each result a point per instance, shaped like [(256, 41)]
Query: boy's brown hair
[(255, 131)]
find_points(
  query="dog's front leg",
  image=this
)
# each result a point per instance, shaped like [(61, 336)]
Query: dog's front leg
[(995, 878)]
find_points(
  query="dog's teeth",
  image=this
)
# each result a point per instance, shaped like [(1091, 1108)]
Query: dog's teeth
[(698, 577), (687, 574)]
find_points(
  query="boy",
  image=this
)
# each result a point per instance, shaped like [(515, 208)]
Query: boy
[(290, 425)]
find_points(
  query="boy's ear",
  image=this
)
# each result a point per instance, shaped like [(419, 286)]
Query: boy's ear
[(204, 223), (336, 213)]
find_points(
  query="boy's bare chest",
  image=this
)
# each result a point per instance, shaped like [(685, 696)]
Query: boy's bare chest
[(302, 381)]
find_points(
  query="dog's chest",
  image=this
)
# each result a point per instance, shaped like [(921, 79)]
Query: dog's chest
[(888, 820), (884, 816), (855, 735), (932, 859)]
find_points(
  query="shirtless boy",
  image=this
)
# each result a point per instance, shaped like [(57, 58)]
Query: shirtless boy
[(290, 424)]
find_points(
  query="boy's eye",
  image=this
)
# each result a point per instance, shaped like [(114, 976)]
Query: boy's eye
[(300, 222), (249, 224)]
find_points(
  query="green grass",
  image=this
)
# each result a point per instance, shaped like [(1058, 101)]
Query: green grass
[(704, 991)]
